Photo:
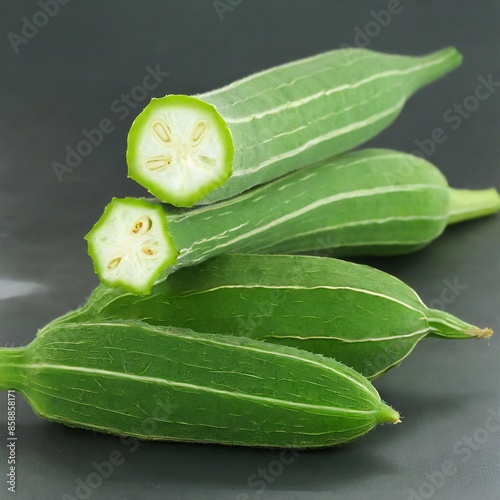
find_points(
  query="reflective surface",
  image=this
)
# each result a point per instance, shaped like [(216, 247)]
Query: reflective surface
[(85, 73)]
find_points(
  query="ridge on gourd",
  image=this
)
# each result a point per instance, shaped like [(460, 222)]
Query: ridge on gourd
[(112, 376), (368, 202), (358, 315), (201, 149)]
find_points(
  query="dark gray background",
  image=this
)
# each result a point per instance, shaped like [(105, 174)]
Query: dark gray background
[(64, 79)]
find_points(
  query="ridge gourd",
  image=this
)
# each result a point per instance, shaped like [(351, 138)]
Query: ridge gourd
[(111, 377), (358, 315), (368, 202), (205, 148)]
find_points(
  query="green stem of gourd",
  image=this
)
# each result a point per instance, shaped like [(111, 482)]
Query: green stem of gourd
[(11, 367), (448, 326), (445, 59), (470, 204)]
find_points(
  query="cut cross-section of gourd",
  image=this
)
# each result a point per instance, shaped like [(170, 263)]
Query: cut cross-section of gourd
[(131, 244), (187, 152)]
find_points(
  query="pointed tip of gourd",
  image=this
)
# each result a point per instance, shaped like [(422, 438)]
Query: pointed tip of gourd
[(388, 415), (445, 325), (478, 333), (482, 333)]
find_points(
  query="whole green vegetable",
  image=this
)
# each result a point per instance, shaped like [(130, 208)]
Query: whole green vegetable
[(371, 202), (133, 379), (208, 147), (358, 315)]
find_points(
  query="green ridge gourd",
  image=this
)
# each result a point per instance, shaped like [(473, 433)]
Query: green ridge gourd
[(368, 202), (212, 146), (132, 379), (358, 315)]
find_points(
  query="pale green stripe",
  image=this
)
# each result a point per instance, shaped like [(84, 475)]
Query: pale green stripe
[(318, 203), (196, 388), (267, 349), (322, 138), (296, 287), (231, 441), (340, 88), (351, 341), (363, 222), (290, 64)]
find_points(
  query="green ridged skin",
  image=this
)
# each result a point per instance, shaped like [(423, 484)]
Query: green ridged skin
[(132, 379), (368, 202), (201, 149), (358, 315)]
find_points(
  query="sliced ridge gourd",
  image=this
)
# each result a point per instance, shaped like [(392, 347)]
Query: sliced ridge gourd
[(371, 202), (358, 315), (133, 379), (212, 146)]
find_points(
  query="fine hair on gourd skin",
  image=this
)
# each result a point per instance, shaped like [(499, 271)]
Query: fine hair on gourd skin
[(205, 148), (192, 387), (358, 315), (367, 202)]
